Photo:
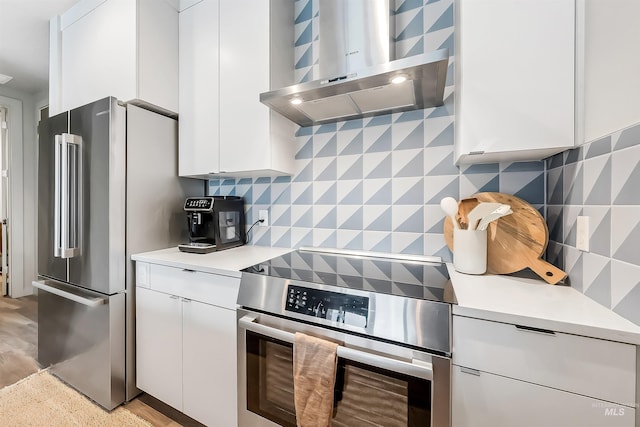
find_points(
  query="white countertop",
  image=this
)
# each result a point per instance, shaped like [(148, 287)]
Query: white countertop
[(228, 262), (533, 302)]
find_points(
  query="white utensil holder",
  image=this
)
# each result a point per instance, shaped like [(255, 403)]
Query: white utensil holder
[(470, 251)]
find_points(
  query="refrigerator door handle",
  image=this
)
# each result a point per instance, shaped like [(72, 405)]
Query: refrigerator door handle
[(89, 302), (70, 199), (57, 232)]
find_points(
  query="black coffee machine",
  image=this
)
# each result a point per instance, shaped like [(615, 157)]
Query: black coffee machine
[(214, 223)]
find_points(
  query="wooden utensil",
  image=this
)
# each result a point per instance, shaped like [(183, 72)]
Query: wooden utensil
[(516, 241), (464, 207)]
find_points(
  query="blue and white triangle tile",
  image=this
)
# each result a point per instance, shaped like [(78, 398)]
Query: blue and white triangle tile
[(626, 138), (302, 216), (350, 217), (350, 138), (280, 215), (574, 155), (326, 238), (350, 167), (407, 243), (438, 24), (407, 218), (572, 182), (433, 219), (408, 191), (377, 165), (597, 148), (439, 131), (304, 171), (407, 163), (378, 138), (377, 191), (471, 184), (325, 144), (281, 237), (280, 193), (625, 178), (377, 241), (301, 193), (554, 187), (325, 169), (574, 267), (325, 216), (625, 290), (434, 244), (409, 21), (597, 181), (301, 236), (439, 161), (555, 222), (325, 193), (408, 132), (304, 147), (377, 218), (597, 278), (599, 229), (407, 273), (350, 192), (625, 233), (438, 187), (569, 224), (262, 236), (350, 239), (524, 180)]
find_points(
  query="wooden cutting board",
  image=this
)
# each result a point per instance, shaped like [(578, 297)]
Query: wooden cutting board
[(516, 241)]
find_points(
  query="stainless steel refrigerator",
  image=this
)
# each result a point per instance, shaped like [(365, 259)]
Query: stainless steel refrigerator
[(107, 188)]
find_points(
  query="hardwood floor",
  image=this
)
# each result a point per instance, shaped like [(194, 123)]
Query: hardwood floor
[(18, 354)]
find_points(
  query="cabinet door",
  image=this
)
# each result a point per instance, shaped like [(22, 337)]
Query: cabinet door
[(244, 74), (482, 399), (209, 356), (159, 345), (99, 55), (199, 82), (514, 79)]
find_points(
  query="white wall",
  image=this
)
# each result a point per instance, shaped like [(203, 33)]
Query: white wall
[(23, 182)]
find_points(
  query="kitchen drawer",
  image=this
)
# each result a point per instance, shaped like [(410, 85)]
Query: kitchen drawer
[(602, 369), (215, 289), (483, 399)]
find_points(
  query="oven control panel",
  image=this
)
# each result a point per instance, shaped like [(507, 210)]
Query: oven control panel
[(342, 308)]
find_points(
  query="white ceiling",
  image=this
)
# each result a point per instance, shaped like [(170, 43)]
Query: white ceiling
[(24, 41)]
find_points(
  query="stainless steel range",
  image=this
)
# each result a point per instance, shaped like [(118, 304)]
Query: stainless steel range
[(391, 317)]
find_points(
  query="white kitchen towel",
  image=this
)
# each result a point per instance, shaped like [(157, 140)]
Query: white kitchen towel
[(314, 376)]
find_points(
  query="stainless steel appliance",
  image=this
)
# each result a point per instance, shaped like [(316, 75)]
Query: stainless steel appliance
[(359, 74), (390, 316), (214, 223), (107, 188)]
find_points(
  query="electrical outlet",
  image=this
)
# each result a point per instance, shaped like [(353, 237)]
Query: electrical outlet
[(582, 233), (263, 214)]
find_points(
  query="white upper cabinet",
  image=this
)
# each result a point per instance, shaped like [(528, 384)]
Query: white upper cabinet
[(514, 79), (122, 48), (230, 52), (536, 77)]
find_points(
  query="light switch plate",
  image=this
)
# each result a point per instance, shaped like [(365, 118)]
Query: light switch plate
[(582, 233)]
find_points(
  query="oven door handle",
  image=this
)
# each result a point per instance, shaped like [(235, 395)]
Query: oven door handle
[(418, 369)]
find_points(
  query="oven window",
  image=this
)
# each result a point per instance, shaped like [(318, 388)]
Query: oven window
[(364, 395)]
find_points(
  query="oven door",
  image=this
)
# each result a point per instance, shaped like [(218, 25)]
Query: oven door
[(377, 384)]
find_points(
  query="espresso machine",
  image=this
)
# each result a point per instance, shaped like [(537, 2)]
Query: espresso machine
[(214, 223)]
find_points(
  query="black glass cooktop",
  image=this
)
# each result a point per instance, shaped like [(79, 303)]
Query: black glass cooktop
[(379, 275)]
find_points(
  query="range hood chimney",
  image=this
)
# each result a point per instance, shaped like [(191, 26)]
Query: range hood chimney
[(359, 76)]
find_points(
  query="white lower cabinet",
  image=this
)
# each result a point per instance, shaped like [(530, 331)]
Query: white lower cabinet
[(484, 399), (516, 375), (186, 343)]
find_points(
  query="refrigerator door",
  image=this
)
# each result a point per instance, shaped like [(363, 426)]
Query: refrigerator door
[(82, 339), (99, 264), (50, 264)]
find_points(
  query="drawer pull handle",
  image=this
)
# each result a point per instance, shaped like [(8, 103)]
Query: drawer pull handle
[(174, 297), (536, 330), (470, 371), (188, 271)]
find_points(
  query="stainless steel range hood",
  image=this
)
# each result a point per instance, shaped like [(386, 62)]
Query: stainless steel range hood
[(359, 75)]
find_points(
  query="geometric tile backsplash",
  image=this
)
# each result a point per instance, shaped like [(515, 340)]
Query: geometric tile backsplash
[(376, 184), (600, 180)]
